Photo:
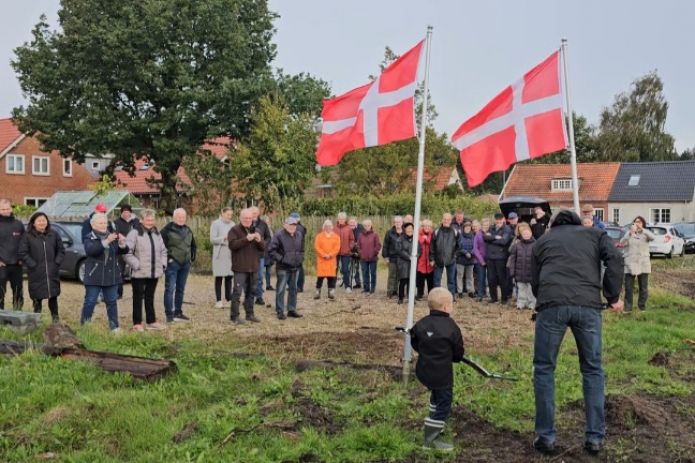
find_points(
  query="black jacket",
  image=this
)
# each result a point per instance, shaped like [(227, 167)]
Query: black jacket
[(541, 225), (101, 266), (439, 342), (404, 246), (519, 263), (498, 249), (262, 228), (287, 251), (566, 265), (123, 226), (465, 250), (42, 253), (444, 247), (11, 232), (389, 249)]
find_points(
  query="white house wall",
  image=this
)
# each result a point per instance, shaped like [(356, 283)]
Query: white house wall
[(680, 212)]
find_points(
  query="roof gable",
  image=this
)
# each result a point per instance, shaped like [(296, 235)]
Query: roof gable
[(654, 181), (9, 135)]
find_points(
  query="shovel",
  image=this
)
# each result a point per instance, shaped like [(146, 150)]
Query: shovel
[(475, 365)]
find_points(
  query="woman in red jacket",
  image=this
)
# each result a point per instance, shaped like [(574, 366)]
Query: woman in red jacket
[(425, 270)]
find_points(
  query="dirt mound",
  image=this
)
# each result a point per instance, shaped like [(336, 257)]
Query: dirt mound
[(316, 416), (661, 359), (627, 412)]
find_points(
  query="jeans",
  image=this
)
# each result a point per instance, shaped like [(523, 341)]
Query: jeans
[(346, 270), (392, 282), (13, 274), (143, 291), (440, 403), (480, 280), (267, 275), (243, 282), (90, 301), (287, 280), (551, 325), (420, 280), (497, 275), (450, 277), (369, 276), (175, 278), (259, 279), (643, 282), (300, 278)]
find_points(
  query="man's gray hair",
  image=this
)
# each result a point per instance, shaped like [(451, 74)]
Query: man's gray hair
[(326, 223), (396, 218), (342, 216), (178, 211), (98, 215)]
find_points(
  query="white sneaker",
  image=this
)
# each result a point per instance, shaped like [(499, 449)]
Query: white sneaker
[(219, 305), (348, 290), (116, 330)]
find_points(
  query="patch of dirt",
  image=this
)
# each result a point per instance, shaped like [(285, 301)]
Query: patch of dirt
[(316, 416), (185, 433), (678, 280), (661, 359)]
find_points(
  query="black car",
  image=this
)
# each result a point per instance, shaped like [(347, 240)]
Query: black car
[(524, 206), (687, 231), (73, 263)]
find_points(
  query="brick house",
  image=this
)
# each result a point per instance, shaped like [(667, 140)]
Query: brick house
[(553, 182), (29, 175)]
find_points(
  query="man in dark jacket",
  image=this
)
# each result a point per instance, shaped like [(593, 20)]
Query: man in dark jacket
[(181, 251), (498, 239), (566, 280), (300, 273), (439, 342), (388, 252), (539, 223), (11, 233), (443, 253), (102, 273), (287, 251), (262, 228), (247, 246), (355, 264), (124, 224)]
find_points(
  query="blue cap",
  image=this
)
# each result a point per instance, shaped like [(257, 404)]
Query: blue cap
[(512, 215), (295, 215)]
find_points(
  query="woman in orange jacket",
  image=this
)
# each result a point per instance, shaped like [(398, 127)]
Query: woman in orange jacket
[(327, 246)]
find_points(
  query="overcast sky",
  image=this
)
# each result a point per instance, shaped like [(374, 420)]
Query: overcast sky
[(478, 47)]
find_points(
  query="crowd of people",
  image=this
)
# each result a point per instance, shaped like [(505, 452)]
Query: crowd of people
[(488, 260)]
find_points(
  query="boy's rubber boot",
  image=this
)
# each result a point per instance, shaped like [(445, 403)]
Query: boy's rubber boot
[(331, 294), (317, 294), (432, 440)]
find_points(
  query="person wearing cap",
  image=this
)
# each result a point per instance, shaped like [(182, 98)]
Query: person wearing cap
[(497, 240), (124, 224), (566, 281), (539, 222), (300, 273), (11, 235), (287, 250), (443, 252), (513, 221), (457, 223), (588, 211)]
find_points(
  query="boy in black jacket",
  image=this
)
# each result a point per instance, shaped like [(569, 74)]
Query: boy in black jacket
[(439, 342)]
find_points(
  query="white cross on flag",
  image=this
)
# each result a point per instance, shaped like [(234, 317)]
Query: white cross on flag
[(378, 113), (524, 121)]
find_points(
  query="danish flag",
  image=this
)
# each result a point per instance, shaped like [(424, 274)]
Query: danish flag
[(524, 121), (378, 113)]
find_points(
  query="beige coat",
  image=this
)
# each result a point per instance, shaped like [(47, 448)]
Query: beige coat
[(637, 252)]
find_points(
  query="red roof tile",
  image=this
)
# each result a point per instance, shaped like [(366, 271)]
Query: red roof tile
[(595, 181), (8, 133), (439, 176), (138, 184), (218, 146)]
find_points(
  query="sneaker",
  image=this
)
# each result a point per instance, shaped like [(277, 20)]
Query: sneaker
[(170, 319), (252, 318), (116, 330), (154, 326), (269, 288), (238, 321), (543, 445), (348, 290), (138, 327), (181, 318), (282, 316), (259, 301), (219, 305), (294, 314)]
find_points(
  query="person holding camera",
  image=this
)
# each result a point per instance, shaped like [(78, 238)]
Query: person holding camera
[(247, 246), (637, 263)]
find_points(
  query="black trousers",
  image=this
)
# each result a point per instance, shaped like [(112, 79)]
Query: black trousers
[(52, 306), (421, 279), (643, 282), (497, 275), (244, 283), (143, 291), (227, 288), (331, 282), (13, 275), (403, 285)]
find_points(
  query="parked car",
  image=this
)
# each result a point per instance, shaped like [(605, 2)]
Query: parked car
[(524, 206), (615, 233), (687, 231), (667, 241), (73, 263)]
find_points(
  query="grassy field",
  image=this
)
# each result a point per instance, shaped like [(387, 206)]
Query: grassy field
[(220, 406)]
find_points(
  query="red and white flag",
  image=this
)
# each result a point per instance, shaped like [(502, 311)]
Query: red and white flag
[(524, 121), (378, 113)]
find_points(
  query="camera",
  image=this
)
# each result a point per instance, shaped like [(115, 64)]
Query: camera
[(252, 228)]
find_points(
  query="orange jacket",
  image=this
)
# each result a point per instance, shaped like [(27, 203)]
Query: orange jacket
[(326, 245)]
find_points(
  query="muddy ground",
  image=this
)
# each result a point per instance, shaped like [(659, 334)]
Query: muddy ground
[(359, 328)]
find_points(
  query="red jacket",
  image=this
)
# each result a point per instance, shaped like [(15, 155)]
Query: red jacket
[(347, 239), (369, 246), (423, 262)]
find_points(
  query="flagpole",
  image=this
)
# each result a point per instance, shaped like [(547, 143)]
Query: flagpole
[(407, 348), (570, 121)]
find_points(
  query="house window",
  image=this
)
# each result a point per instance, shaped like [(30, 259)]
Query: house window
[(634, 180), (40, 165), (14, 164), (561, 184), (599, 214), (616, 215), (96, 165), (660, 215), (35, 202), (67, 167)]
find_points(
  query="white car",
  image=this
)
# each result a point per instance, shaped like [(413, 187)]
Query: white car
[(667, 241)]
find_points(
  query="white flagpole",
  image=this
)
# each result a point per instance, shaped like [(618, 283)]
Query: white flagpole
[(570, 122), (407, 348)]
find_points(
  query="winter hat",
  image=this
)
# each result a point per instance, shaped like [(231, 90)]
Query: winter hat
[(101, 207), (512, 215)]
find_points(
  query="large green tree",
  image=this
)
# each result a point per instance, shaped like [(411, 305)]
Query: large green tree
[(145, 78), (275, 163), (633, 128)]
